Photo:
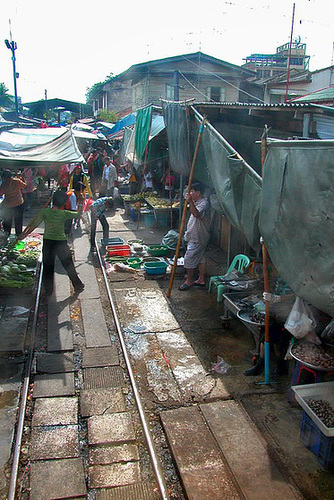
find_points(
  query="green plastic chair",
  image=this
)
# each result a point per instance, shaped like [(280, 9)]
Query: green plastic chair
[(240, 263)]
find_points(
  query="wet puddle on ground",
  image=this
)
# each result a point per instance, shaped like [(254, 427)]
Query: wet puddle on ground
[(8, 399)]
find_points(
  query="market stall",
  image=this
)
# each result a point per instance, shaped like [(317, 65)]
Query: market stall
[(153, 210), (135, 256), (18, 264), (164, 212)]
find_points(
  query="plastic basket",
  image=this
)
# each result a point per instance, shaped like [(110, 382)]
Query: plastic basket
[(163, 218), (134, 262), (321, 445), (155, 267), (158, 250), (149, 218), (122, 250), (112, 241)]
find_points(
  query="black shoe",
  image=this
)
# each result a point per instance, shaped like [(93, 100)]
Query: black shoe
[(256, 370), (79, 288), (282, 367), (93, 249)]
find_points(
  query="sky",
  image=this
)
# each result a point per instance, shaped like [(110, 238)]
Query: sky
[(66, 46)]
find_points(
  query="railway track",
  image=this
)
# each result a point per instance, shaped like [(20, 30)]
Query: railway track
[(157, 427), (21, 478)]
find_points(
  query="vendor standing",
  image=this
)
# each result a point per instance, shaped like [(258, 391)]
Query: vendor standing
[(80, 184), (12, 189), (109, 176), (98, 209), (197, 236)]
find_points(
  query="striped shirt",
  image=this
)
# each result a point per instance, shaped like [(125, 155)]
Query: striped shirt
[(99, 206)]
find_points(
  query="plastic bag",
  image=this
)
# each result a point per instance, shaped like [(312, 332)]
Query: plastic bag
[(328, 333), (300, 321), (116, 192), (221, 366), (170, 239)]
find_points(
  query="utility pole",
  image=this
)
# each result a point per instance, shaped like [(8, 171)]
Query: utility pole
[(289, 56), (46, 103), (11, 45), (176, 85)]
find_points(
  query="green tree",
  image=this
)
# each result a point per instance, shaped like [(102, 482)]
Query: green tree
[(90, 91), (107, 116), (6, 100)]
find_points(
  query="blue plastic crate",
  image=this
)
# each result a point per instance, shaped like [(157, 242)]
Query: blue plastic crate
[(321, 445), (112, 241)]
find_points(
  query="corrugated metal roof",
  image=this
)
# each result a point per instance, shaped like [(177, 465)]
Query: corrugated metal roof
[(252, 105), (318, 95)]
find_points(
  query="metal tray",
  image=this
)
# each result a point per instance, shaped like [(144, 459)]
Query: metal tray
[(243, 314), (309, 365)]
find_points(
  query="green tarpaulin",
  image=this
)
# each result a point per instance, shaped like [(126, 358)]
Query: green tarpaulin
[(143, 125), (177, 124), (236, 185), (292, 208), (297, 217)]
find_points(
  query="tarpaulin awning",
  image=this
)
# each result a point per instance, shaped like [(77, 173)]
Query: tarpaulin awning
[(236, 184), (292, 208), (91, 136), (297, 215), (127, 121), (143, 126), (176, 118), (55, 152), (23, 138), (157, 126)]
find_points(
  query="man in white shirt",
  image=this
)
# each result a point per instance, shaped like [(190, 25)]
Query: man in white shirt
[(109, 176), (197, 236)]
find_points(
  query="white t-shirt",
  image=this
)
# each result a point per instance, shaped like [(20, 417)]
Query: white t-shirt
[(148, 180)]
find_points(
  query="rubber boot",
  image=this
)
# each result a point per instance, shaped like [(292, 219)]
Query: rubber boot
[(282, 367), (255, 370)]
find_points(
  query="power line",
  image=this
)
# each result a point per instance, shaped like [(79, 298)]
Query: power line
[(193, 86), (219, 78)]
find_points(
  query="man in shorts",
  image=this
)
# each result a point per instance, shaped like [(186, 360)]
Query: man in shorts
[(197, 236)]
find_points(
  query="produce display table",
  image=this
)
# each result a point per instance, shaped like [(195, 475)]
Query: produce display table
[(162, 209), (18, 265)]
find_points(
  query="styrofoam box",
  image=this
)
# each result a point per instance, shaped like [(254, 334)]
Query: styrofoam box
[(324, 391)]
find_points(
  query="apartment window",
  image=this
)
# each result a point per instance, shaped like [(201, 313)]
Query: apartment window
[(216, 94), (169, 92)]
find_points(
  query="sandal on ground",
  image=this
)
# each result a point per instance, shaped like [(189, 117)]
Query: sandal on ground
[(184, 286)]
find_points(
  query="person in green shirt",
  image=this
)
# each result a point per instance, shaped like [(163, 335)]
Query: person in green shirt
[(55, 242)]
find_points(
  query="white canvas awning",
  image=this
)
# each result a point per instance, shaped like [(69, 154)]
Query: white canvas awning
[(55, 151)]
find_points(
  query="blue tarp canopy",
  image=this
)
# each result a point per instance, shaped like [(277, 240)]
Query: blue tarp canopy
[(127, 121)]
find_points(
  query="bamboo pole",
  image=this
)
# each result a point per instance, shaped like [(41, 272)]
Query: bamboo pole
[(191, 175), (265, 276)]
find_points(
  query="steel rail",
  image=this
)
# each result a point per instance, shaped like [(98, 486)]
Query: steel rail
[(153, 454), (24, 393)]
